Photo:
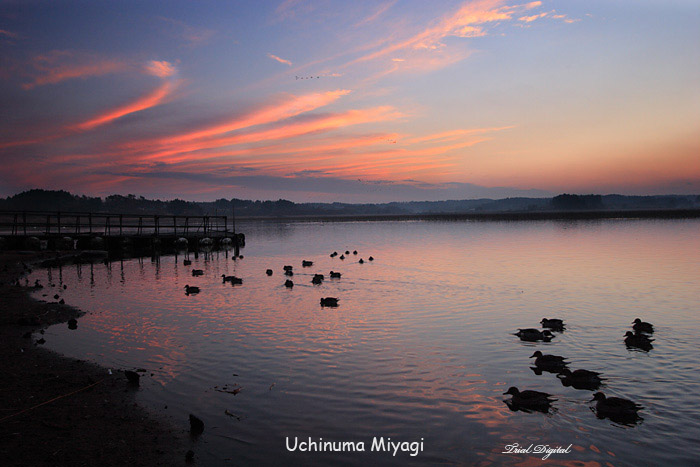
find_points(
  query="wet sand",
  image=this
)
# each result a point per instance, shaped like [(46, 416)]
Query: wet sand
[(91, 418)]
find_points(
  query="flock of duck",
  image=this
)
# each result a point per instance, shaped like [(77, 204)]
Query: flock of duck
[(615, 408), (317, 279)]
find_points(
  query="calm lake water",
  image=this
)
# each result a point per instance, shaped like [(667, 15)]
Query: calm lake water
[(421, 346)]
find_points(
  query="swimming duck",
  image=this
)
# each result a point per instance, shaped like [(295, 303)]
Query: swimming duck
[(306, 264), (642, 326), (580, 379), (190, 289), (334, 254), (549, 362), (347, 252), (289, 284), (354, 252), (329, 301), (236, 280), (288, 268), (371, 258), (615, 408), (553, 324), (342, 256), (335, 275), (317, 279), (197, 272), (268, 272), (226, 278), (289, 272), (186, 262), (362, 261), (534, 335), (639, 341), (529, 398)]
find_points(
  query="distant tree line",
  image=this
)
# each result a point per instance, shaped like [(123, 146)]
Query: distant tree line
[(53, 200)]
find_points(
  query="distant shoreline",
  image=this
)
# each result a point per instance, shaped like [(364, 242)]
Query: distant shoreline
[(495, 216)]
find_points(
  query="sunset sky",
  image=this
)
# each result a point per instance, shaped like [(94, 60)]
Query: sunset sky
[(361, 101)]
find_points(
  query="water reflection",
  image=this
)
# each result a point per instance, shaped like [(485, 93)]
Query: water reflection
[(420, 345)]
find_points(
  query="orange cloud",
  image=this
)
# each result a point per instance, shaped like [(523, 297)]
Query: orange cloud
[(318, 125), (6, 33), (59, 66), (466, 22), (278, 59), (455, 134), (380, 11), (295, 105), (529, 19), (152, 99), (160, 68)]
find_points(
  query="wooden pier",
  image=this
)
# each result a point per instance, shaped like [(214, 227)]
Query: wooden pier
[(88, 228)]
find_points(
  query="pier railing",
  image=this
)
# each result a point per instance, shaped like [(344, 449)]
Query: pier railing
[(46, 224)]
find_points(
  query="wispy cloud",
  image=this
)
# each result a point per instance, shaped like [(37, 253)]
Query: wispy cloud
[(278, 59), (547, 14), (318, 124), (6, 33), (160, 68), (289, 107), (193, 36), (152, 99), (62, 65), (290, 9), (427, 50), (376, 14)]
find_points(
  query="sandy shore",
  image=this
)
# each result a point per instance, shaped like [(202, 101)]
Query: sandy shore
[(91, 418)]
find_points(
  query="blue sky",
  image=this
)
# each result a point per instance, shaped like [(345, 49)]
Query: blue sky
[(350, 101)]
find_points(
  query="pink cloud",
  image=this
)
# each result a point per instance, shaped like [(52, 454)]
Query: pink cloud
[(160, 68), (292, 106), (6, 33), (61, 65), (152, 99), (281, 60)]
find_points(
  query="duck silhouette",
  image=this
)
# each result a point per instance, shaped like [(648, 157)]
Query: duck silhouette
[(534, 335), (317, 279), (190, 289), (580, 379), (329, 301), (551, 363), (616, 409), (529, 399), (289, 284), (642, 326), (554, 324), (335, 275), (197, 272), (268, 272), (638, 341)]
